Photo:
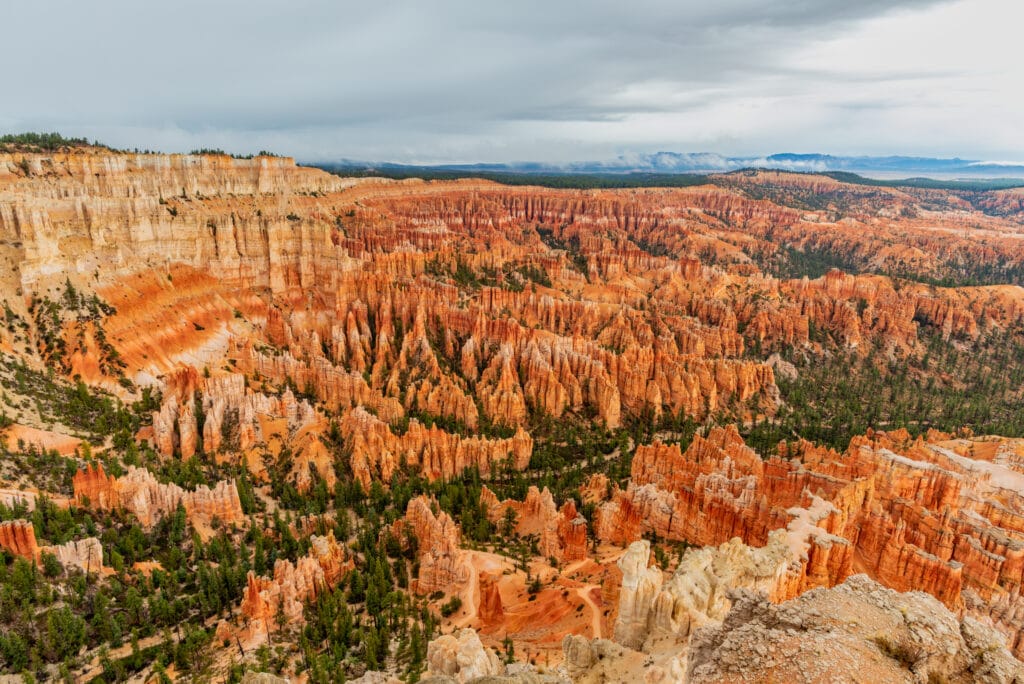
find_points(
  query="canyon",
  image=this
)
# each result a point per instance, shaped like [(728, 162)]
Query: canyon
[(531, 419)]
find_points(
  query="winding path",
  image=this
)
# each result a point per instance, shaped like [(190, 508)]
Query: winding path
[(595, 611)]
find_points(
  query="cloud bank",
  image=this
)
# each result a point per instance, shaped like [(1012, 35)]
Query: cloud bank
[(455, 80)]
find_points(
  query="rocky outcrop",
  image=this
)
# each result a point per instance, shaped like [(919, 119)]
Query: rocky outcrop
[(139, 493), (461, 656), (596, 661), (858, 631), (561, 533), (19, 538), (640, 584), (442, 566), (262, 678), (378, 452), (697, 592), (84, 554), (489, 608), (293, 584), (915, 514), (16, 497)]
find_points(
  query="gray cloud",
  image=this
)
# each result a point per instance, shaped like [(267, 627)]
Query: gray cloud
[(459, 80)]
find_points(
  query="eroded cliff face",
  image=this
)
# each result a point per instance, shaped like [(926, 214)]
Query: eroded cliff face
[(442, 565), (139, 493), (923, 514), (561, 532), (284, 594), (78, 212)]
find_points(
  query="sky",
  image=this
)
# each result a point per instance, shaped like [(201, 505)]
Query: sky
[(552, 81)]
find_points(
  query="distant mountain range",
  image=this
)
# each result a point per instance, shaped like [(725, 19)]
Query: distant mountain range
[(709, 162)]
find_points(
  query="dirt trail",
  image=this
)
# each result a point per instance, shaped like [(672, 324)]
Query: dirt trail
[(470, 597), (595, 611)]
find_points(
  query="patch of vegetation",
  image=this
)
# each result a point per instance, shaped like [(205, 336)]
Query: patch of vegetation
[(216, 151), (547, 180), (945, 386), (980, 184), (49, 616), (787, 262), (906, 655), (452, 606), (462, 273), (41, 142), (90, 413), (52, 319)]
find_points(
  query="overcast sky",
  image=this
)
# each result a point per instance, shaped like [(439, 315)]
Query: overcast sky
[(479, 80)]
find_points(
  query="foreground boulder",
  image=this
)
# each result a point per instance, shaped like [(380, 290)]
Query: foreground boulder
[(462, 656), (859, 631)]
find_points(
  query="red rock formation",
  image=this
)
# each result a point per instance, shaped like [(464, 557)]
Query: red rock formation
[(293, 584), (19, 537), (377, 452), (337, 388), (707, 495), (561, 534), (489, 608), (139, 493), (442, 567), (572, 532), (238, 420)]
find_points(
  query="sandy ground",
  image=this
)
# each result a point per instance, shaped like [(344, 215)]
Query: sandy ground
[(44, 439)]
